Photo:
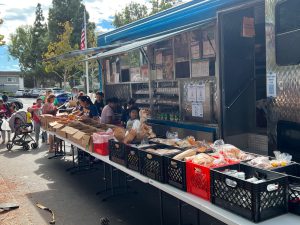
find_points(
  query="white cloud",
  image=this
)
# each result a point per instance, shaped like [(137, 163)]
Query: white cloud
[(19, 12)]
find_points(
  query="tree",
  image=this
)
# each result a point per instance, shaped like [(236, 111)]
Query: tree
[(160, 5), (132, 12), (136, 11), (63, 11), (2, 42), (40, 40), (20, 47), (63, 68)]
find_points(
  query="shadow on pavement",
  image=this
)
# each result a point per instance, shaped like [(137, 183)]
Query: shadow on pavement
[(73, 198)]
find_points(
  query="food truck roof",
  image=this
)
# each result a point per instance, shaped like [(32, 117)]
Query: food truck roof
[(169, 20)]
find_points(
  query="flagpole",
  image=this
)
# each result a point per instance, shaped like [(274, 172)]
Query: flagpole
[(86, 62)]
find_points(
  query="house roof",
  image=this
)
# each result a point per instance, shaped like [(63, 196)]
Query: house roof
[(10, 73)]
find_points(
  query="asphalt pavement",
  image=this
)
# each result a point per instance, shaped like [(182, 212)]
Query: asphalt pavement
[(27, 102)]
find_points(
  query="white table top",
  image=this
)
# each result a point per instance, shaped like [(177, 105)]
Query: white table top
[(105, 159), (201, 204)]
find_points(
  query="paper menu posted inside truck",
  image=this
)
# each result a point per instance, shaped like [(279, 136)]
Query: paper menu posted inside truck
[(271, 85), (191, 93), (200, 93), (197, 109)]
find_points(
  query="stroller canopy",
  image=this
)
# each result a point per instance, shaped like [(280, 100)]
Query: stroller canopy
[(22, 115)]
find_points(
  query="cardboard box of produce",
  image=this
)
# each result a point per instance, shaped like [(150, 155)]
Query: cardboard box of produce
[(77, 137), (70, 132), (63, 132), (45, 120), (84, 139), (58, 126), (52, 125)]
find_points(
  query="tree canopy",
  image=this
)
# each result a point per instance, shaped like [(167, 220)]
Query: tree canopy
[(21, 47), (63, 68), (67, 11), (135, 11), (2, 42), (31, 44), (132, 12)]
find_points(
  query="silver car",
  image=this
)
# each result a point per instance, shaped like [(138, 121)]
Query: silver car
[(19, 93)]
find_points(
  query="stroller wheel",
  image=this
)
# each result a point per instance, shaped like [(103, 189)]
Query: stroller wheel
[(34, 145), (25, 147), (9, 146)]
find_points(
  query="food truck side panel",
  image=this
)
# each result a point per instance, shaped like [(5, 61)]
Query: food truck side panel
[(286, 105)]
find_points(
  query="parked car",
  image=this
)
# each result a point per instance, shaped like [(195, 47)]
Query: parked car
[(19, 93), (62, 98), (26, 93), (42, 91), (57, 91), (18, 103), (34, 93)]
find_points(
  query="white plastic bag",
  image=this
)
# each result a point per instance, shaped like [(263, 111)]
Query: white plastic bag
[(5, 125)]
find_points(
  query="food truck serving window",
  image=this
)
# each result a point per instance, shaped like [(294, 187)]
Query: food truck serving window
[(288, 32)]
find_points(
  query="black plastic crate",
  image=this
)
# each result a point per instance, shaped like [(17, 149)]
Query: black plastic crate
[(293, 172), (249, 200), (175, 173), (152, 165), (117, 152), (132, 157)]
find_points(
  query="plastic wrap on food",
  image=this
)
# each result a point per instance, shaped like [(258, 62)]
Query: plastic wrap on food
[(261, 162), (163, 151)]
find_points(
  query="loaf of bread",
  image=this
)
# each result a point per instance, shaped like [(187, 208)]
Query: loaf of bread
[(119, 133), (185, 154), (130, 136)]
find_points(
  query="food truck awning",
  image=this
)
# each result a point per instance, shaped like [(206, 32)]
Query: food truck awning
[(140, 43), (88, 51)]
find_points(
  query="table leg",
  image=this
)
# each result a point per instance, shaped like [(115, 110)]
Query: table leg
[(112, 181), (179, 212), (161, 207)]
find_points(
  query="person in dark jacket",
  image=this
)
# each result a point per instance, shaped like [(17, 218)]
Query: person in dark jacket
[(99, 102)]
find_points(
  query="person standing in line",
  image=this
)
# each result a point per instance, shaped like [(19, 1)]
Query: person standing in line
[(50, 108), (99, 102), (4, 115), (36, 111)]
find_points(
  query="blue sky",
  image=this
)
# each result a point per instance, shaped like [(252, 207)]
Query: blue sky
[(7, 63)]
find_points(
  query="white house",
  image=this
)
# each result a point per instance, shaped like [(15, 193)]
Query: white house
[(11, 81)]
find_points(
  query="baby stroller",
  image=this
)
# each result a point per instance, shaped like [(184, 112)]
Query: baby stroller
[(21, 129)]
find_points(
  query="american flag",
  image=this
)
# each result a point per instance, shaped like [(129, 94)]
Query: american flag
[(82, 41)]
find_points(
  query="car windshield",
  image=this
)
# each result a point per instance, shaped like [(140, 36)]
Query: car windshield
[(58, 91)]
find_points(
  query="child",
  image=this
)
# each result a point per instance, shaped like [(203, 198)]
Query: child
[(29, 120), (4, 115), (133, 122)]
